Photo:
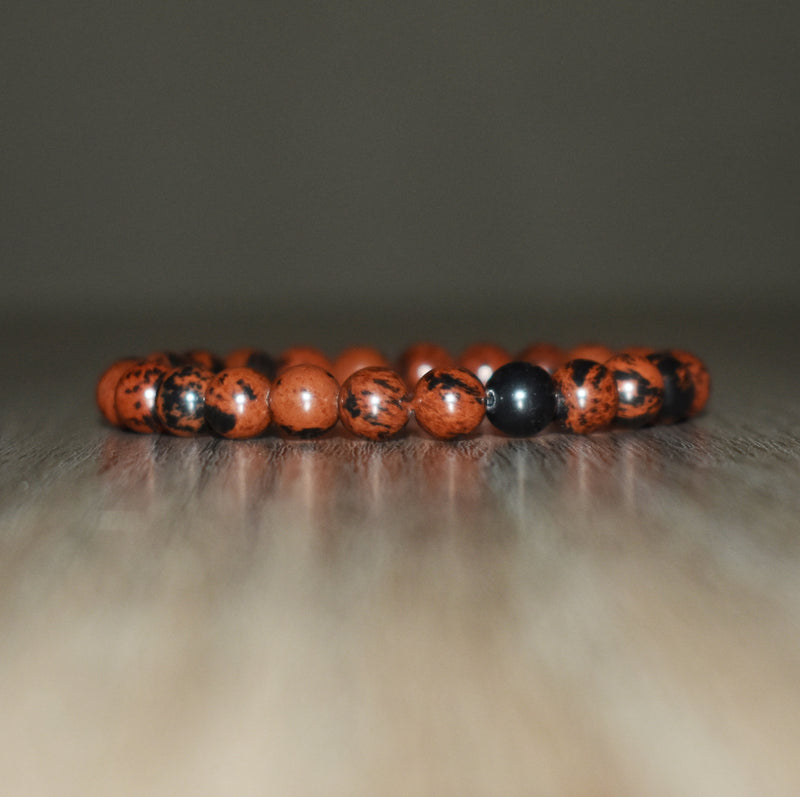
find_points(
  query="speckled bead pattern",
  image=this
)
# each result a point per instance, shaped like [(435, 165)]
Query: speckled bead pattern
[(373, 403), (678, 387), (640, 388), (701, 379), (182, 393), (420, 358), (135, 397), (586, 396), (237, 403), (519, 399), (354, 359), (483, 359), (449, 402), (304, 401), (107, 388), (180, 403)]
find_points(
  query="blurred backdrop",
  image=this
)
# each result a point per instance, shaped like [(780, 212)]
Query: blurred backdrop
[(410, 160)]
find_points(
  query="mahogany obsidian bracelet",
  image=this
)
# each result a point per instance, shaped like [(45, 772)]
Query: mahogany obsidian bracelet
[(583, 390)]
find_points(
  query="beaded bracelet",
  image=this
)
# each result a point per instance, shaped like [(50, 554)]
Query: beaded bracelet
[(586, 389)]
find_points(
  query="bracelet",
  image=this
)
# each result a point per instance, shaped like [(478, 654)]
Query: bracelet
[(583, 390)]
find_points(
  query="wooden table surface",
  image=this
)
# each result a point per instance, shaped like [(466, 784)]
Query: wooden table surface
[(611, 615)]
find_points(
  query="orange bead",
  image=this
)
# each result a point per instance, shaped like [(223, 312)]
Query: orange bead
[(135, 397), (355, 358), (449, 402), (586, 396), (181, 401), (237, 403), (305, 401), (372, 403), (303, 355), (699, 376), (107, 386), (483, 359), (545, 355), (640, 387), (420, 358)]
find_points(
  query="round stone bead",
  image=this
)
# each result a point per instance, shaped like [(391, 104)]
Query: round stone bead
[(372, 403), (596, 352), (519, 399), (449, 402), (303, 355), (255, 359), (354, 359), (640, 388), (180, 404), (305, 401), (107, 387), (237, 403), (420, 358), (586, 396), (483, 359), (700, 377), (545, 355), (135, 397), (678, 387)]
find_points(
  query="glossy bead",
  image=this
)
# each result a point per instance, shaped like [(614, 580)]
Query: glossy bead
[(519, 399), (305, 401), (202, 358), (354, 359), (596, 352), (640, 388), (372, 403), (545, 355), (237, 403), (449, 402), (303, 355), (254, 359), (107, 386), (135, 397), (420, 358), (701, 379), (678, 387), (180, 404), (483, 359), (586, 396)]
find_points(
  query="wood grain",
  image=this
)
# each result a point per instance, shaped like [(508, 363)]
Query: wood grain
[(609, 615)]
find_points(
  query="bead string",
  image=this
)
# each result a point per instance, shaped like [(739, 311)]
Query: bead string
[(302, 393)]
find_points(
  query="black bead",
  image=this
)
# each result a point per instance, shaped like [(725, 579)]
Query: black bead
[(678, 387), (519, 399)]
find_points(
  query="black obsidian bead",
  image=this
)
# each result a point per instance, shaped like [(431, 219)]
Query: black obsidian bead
[(678, 387), (520, 399)]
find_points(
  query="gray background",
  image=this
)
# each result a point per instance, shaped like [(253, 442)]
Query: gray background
[(224, 159)]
